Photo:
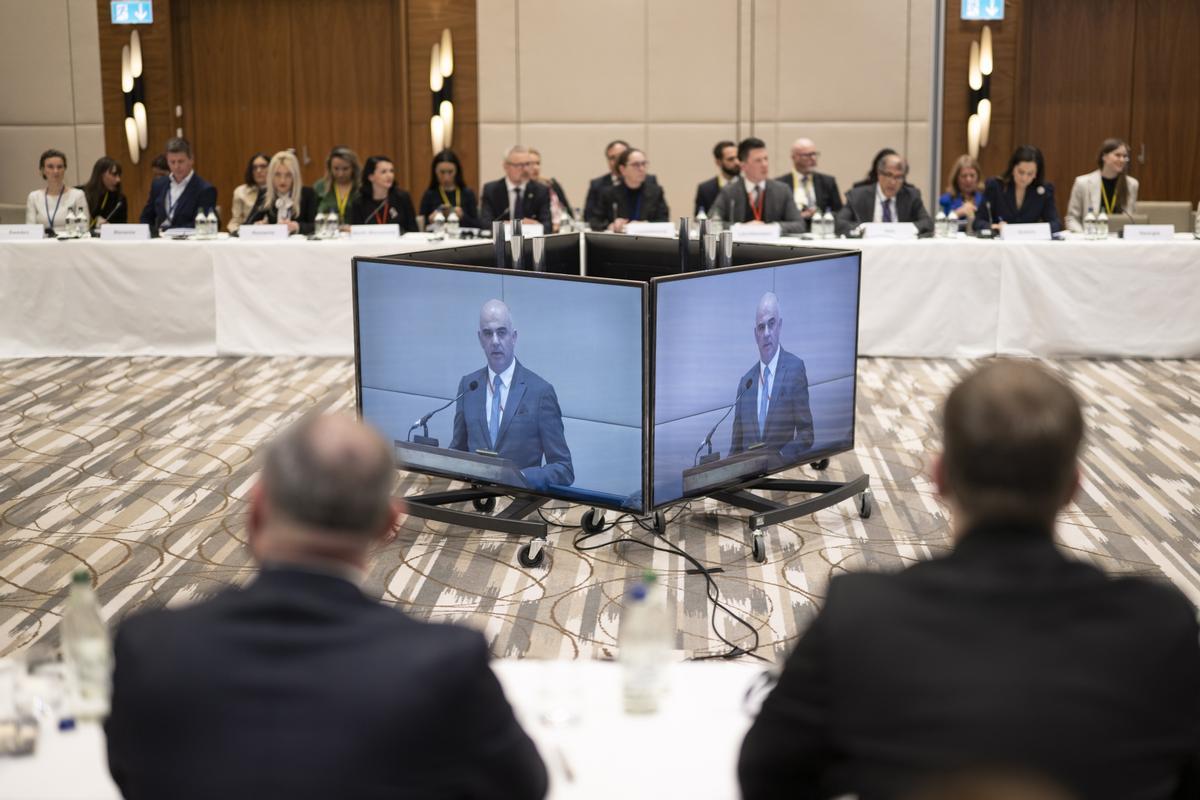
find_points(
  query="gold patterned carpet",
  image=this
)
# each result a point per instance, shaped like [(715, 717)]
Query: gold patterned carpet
[(137, 469)]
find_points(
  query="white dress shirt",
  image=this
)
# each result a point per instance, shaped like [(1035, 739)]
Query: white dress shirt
[(774, 366), (505, 384), (174, 192)]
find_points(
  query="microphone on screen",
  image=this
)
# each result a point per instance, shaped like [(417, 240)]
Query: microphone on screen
[(710, 455), (423, 422)]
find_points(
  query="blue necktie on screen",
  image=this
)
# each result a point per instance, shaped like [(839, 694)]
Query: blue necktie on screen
[(887, 211), (494, 422), (762, 403)]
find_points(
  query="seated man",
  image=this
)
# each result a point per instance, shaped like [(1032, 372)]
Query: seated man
[(175, 198), (597, 185), (513, 412), (1005, 653), (813, 191), (728, 168), (888, 200), (753, 197), (516, 195), (298, 685)]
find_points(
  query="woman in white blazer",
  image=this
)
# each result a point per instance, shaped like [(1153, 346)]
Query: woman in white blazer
[(1106, 189), (48, 207)]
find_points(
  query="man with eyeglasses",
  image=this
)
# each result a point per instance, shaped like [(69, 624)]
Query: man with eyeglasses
[(888, 200), (516, 195), (813, 191)]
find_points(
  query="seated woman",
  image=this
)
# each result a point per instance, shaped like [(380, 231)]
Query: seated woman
[(103, 193), (248, 197), (962, 197), (335, 191), (1106, 189), (378, 201), (286, 199), (634, 198), (1020, 195), (448, 192), (48, 207)]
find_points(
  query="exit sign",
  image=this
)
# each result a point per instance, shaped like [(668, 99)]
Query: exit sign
[(983, 10), (132, 13)]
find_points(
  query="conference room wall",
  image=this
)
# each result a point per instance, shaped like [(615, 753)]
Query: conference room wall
[(672, 76), (49, 92)]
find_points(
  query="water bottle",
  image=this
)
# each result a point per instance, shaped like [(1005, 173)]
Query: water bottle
[(644, 637), (1102, 225), (939, 224), (210, 223), (715, 223), (200, 226), (830, 227), (437, 222), (86, 650), (951, 226), (1089, 224), (453, 226), (1196, 225), (700, 216)]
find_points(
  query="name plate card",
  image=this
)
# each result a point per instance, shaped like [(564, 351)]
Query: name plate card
[(889, 230), (124, 232), (1149, 233), (1026, 232), (641, 228), (264, 232), (21, 233), (759, 230), (361, 232)]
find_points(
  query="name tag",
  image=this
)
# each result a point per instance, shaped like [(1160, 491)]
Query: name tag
[(21, 233), (1026, 232), (260, 232), (639, 228), (1149, 233), (124, 232), (375, 231), (889, 230)]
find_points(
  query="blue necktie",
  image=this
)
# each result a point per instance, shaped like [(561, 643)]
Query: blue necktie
[(887, 211), (518, 204), (494, 422), (762, 404)]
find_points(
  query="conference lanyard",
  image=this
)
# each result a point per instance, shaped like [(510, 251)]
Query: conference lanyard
[(381, 216), (1109, 204), (50, 217), (757, 206), (341, 200), (446, 200), (796, 184), (171, 206)]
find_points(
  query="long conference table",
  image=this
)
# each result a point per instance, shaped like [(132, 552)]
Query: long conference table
[(924, 298)]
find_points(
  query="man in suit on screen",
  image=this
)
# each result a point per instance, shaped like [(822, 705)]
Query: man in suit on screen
[(774, 409), (512, 411)]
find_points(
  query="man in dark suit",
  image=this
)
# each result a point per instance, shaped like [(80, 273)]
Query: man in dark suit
[(298, 685), (516, 195), (812, 191), (1005, 653), (753, 197), (774, 409), (888, 200), (597, 185), (176, 198), (728, 168), (513, 412)]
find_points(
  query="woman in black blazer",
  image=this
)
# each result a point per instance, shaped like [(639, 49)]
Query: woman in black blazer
[(633, 199), (1020, 195), (378, 201), (449, 192), (285, 192)]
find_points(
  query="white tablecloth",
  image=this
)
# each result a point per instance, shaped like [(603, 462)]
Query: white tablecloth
[(931, 298)]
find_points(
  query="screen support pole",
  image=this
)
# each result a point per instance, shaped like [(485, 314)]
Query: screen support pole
[(510, 520)]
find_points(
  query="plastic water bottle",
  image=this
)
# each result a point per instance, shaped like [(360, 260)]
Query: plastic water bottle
[(210, 223), (1102, 225), (86, 649), (830, 226), (1089, 224), (1196, 226), (201, 225), (644, 638), (700, 216), (939, 224), (437, 222)]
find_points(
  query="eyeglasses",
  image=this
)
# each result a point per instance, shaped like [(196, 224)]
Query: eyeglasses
[(519, 163), (813, 154), (893, 176), (637, 164)]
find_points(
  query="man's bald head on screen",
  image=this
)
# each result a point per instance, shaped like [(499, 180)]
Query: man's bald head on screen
[(768, 325), (497, 335)]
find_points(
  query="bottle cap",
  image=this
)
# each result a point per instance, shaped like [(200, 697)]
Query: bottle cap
[(81, 576), (649, 578), (638, 592)]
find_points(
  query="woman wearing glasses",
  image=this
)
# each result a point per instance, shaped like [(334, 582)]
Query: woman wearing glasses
[(633, 199), (1106, 188)]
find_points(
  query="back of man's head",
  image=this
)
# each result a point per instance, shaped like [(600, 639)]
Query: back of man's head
[(1012, 432)]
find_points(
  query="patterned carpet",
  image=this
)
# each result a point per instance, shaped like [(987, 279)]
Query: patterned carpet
[(137, 469)]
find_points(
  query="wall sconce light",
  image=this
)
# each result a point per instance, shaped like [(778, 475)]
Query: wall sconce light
[(134, 90), (441, 87), (979, 92)]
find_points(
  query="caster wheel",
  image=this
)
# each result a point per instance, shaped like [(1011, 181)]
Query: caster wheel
[(660, 523), (758, 548), (865, 504), (532, 554), (484, 504), (593, 520), (820, 466)]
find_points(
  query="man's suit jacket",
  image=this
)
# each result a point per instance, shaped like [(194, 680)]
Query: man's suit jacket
[(706, 195), (824, 186), (493, 204), (1038, 206), (789, 429), (300, 686), (198, 195), (1004, 652), (778, 206), (653, 209), (530, 428), (860, 207), (1085, 194)]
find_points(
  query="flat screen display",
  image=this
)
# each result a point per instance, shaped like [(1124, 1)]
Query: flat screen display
[(565, 419), (764, 357)]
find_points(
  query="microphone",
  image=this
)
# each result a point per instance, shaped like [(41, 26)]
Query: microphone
[(986, 233), (710, 455), (375, 210), (423, 422), (858, 223)]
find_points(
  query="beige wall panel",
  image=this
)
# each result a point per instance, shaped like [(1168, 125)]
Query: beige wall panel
[(494, 140), (85, 61), (497, 26), (858, 45), (681, 157), (920, 64), (692, 66), (919, 145), (34, 62), (765, 49), (560, 40), (91, 147), (575, 153), (846, 147), (21, 147)]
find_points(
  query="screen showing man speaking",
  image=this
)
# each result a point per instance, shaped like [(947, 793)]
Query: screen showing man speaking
[(522, 380), (754, 372)]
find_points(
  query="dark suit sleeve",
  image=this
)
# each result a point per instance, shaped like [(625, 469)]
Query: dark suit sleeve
[(408, 217), (698, 203), (845, 221), (470, 215), (487, 214), (308, 210), (801, 414), (543, 209), (601, 215), (147, 215), (591, 201), (558, 468), (662, 212), (792, 221), (458, 440), (920, 217), (1050, 209), (991, 196), (120, 730), (834, 200)]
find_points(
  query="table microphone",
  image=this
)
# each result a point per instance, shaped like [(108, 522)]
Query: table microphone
[(710, 456), (423, 422), (986, 233)]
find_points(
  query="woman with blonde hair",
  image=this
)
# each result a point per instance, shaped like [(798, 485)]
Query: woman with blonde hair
[(287, 200), (963, 195), (335, 191)]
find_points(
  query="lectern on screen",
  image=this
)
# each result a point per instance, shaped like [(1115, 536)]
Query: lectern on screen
[(569, 351), (715, 336)]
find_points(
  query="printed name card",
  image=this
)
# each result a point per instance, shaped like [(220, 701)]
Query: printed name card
[(21, 233), (123, 232), (1149, 233), (1026, 232), (889, 230), (639, 228), (375, 231), (760, 230), (260, 233)]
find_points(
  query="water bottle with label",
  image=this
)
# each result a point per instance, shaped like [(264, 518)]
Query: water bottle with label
[(1089, 224), (453, 224), (437, 222), (86, 649), (644, 638), (211, 223), (1102, 225), (830, 226), (939, 224), (200, 226)]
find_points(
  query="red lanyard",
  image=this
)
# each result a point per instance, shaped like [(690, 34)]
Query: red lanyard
[(381, 215), (757, 206)]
